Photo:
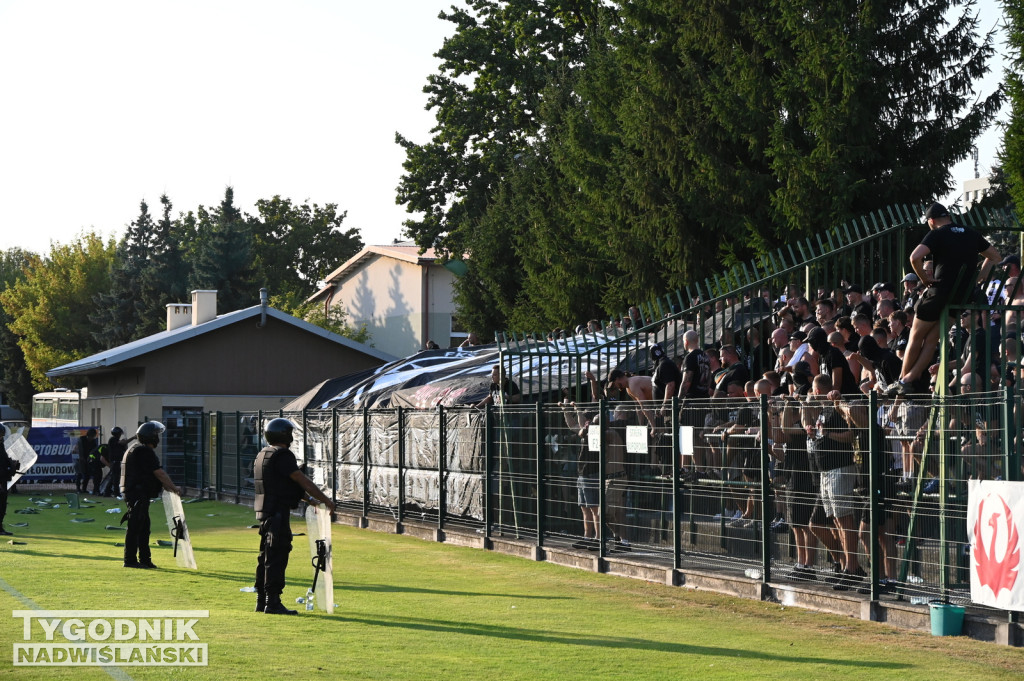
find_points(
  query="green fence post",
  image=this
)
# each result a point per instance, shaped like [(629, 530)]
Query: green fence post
[(602, 411), (366, 462), (766, 494), (334, 455), (539, 449), (238, 458), (488, 473), (400, 415), (442, 449), (219, 455), (1011, 466), (875, 480), (677, 497)]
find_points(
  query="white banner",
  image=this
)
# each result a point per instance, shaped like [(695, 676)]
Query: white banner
[(995, 516)]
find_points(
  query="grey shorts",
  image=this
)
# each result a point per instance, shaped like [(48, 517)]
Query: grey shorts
[(586, 492), (837, 497), (910, 417)]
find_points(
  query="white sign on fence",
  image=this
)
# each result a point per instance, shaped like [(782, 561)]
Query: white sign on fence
[(686, 440), (995, 516), (636, 439)]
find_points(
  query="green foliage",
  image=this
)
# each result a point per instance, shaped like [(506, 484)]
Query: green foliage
[(17, 383), (1012, 153), (594, 155), (224, 256), (333, 319), (165, 273), (296, 247), (51, 308), (119, 310)]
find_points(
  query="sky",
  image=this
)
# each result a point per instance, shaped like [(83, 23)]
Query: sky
[(108, 103)]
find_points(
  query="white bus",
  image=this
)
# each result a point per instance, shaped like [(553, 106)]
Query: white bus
[(57, 408)]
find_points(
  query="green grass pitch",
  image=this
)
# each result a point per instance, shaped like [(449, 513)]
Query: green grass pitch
[(410, 609)]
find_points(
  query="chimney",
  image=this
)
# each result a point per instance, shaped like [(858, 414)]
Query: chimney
[(178, 315), (204, 307)]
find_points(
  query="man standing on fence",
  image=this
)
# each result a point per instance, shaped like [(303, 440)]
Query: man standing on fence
[(279, 487), (954, 251)]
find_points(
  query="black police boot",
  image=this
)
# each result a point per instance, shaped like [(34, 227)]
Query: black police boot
[(274, 607), (261, 602)]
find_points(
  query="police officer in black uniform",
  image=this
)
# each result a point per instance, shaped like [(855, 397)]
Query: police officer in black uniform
[(8, 467), (116, 447), (142, 476), (280, 486)]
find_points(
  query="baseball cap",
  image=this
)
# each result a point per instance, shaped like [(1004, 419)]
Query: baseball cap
[(854, 288), (883, 286), (936, 210), (1010, 259), (798, 335), (911, 278)]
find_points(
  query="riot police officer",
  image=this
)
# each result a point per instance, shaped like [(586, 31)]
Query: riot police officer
[(280, 486), (116, 447), (142, 476), (8, 468)]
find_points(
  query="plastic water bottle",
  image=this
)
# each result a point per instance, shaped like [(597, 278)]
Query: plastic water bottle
[(248, 589), (300, 600), (310, 597)]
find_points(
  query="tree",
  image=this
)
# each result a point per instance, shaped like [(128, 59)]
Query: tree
[(223, 256), (51, 308), (296, 247), (119, 310), (333, 319), (1011, 155), (486, 96), (165, 273), (659, 140), (17, 383)]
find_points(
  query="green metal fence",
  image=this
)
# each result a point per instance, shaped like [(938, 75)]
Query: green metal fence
[(516, 472)]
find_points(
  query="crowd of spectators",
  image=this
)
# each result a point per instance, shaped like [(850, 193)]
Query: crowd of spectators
[(817, 358)]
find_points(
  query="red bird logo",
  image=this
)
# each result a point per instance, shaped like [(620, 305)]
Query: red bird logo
[(995, 574)]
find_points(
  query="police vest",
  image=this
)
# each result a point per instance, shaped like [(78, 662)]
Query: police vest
[(273, 492), (134, 479)]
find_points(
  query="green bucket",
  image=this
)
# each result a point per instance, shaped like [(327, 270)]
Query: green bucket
[(947, 619)]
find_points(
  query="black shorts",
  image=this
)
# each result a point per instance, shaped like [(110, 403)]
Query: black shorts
[(929, 305)]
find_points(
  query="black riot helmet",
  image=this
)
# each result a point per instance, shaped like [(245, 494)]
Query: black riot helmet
[(3, 430), (279, 432), (116, 432), (149, 433)]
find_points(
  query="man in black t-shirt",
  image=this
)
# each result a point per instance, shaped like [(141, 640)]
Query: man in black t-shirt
[(735, 371), (900, 332), (666, 379), (502, 390), (142, 477), (954, 250), (832, 362)]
